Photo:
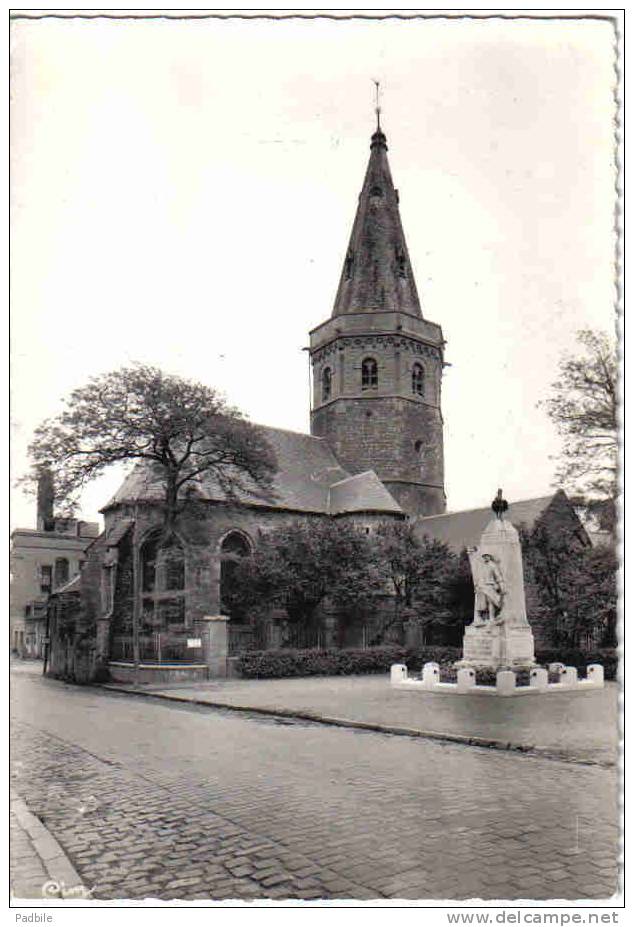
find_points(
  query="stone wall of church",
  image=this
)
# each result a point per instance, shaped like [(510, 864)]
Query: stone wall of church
[(400, 439), (202, 535)]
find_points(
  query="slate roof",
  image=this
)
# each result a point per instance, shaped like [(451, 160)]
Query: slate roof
[(307, 469), (361, 493), (377, 273), (463, 529)]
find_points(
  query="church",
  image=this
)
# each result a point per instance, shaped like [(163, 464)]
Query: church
[(375, 453)]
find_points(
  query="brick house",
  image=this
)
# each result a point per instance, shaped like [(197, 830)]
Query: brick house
[(42, 560)]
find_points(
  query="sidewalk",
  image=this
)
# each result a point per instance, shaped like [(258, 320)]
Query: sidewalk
[(580, 727), (39, 868)]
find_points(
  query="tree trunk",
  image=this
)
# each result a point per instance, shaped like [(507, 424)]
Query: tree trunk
[(171, 499)]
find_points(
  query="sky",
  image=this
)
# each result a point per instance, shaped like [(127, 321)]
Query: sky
[(182, 194)]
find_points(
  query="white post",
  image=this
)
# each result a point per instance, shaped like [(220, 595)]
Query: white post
[(568, 677), (505, 682), (556, 667), (398, 673), (431, 675), (466, 679), (538, 678), (594, 674)]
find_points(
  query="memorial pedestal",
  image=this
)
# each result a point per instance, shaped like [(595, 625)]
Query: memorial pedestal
[(493, 646)]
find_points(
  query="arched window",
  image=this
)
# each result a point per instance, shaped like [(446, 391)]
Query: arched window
[(369, 374), (61, 572), (163, 581), (233, 549), (326, 384), (418, 380)]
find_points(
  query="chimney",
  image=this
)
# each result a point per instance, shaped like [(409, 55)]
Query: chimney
[(45, 500)]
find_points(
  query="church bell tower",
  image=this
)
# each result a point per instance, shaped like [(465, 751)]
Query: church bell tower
[(377, 363)]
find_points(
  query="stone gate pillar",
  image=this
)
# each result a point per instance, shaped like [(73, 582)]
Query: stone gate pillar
[(215, 641)]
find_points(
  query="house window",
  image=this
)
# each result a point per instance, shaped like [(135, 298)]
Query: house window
[(369, 374), (61, 571), (418, 380), (163, 582), (46, 579), (326, 384)]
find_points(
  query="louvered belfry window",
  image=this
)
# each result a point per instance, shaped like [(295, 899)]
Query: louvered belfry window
[(369, 374), (418, 380)]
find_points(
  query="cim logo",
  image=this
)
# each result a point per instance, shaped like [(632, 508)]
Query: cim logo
[(55, 889)]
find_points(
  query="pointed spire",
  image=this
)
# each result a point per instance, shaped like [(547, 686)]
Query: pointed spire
[(377, 274)]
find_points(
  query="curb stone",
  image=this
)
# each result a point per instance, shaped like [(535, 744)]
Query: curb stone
[(316, 718), (64, 882)]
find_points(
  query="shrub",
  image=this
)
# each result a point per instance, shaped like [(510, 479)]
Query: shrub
[(280, 664), (607, 658), (416, 657)]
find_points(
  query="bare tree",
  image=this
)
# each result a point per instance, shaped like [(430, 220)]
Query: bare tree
[(583, 405)]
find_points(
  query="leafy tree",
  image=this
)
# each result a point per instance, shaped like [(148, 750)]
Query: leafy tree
[(299, 565), (575, 585), (461, 596), (601, 568), (183, 430), (417, 570), (583, 405)]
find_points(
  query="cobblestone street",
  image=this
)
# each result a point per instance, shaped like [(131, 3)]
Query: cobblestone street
[(153, 800)]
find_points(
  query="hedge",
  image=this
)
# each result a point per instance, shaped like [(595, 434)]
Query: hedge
[(279, 664), (282, 664), (607, 657)]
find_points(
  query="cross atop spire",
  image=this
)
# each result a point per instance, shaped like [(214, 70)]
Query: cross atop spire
[(377, 103)]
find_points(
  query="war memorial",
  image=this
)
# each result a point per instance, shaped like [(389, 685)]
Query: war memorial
[(499, 637)]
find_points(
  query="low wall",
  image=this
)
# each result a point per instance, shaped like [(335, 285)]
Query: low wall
[(148, 674)]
